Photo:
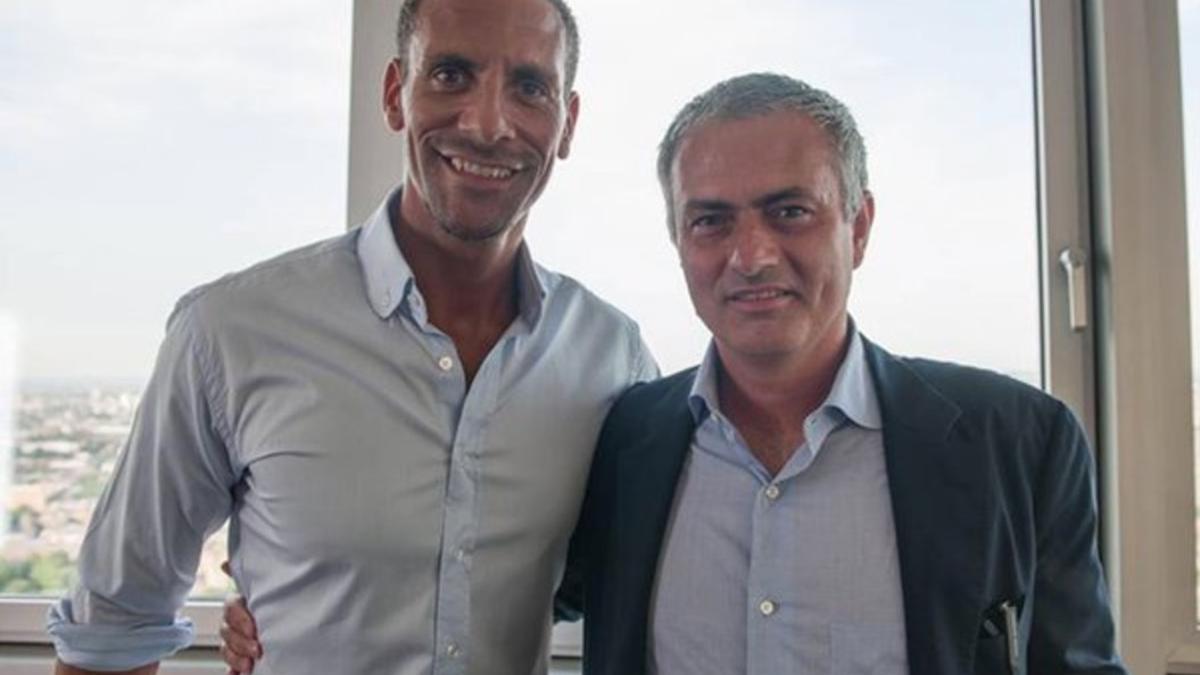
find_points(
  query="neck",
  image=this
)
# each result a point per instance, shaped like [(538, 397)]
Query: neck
[(769, 398), (469, 287)]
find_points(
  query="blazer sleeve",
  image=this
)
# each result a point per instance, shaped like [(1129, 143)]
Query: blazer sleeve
[(1072, 627)]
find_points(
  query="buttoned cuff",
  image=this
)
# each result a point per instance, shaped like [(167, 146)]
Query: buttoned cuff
[(110, 648)]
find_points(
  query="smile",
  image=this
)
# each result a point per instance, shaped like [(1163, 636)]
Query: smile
[(494, 172), (758, 294)]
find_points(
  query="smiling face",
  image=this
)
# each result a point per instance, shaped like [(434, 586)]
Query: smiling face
[(480, 100), (765, 247)]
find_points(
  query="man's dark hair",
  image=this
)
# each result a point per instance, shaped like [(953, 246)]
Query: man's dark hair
[(406, 24)]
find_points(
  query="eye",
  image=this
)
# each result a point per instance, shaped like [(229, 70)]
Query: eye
[(449, 77), (708, 222), (791, 212), (532, 89)]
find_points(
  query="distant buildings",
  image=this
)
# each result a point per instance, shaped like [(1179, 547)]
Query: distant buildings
[(65, 446), (8, 386)]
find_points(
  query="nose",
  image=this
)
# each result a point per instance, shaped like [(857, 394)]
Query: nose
[(755, 250), (485, 114)]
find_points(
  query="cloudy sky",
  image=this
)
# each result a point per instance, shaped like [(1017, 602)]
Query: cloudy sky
[(146, 147)]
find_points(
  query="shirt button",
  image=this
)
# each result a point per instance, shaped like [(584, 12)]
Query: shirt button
[(460, 554), (445, 363), (452, 650), (772, 492), (766, 607)]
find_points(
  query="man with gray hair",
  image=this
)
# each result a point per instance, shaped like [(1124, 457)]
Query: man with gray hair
[(804, 501), (398, 422)]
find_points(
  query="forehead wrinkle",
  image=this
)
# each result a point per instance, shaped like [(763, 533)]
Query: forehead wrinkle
[(714, 160), (514, 24), (780, 195)]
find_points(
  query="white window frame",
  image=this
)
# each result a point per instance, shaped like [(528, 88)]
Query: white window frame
[(1110, 143), (1112, 183), (1143, 364)]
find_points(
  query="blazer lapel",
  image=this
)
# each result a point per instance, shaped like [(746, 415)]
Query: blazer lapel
[(940, 504)]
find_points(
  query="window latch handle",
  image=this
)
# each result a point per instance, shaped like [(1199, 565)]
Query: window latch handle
[(1075, 266)]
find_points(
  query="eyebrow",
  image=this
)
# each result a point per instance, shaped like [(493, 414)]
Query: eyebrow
[(758, 203), (780, 196), (707, 205), (454, 60), (530, 71)]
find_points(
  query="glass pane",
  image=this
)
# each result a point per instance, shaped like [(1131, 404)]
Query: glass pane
[(145, 148), (1189, 33), (951, 271)]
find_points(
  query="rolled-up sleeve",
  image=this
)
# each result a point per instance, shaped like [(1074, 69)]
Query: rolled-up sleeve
[(172, 488)]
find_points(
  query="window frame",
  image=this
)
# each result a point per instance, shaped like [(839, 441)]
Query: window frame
[(23, 620), (1109, 97), (1143, 357)]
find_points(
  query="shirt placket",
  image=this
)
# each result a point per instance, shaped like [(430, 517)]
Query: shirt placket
[(762, 597), (461, 524)]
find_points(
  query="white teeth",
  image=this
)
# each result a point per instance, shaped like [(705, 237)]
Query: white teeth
[(494, 172)]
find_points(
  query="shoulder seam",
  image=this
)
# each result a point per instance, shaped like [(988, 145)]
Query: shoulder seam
[(251, 274), (215, 393)]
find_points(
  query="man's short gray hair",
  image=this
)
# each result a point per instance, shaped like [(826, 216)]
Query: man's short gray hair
[(759, 94), (406, 25)]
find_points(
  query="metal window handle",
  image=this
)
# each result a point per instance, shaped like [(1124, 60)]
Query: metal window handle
[(1076, 268)]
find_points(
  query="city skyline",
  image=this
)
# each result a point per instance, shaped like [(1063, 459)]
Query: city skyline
[(65, 447)]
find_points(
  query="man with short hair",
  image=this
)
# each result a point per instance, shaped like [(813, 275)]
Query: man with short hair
[(804, 501), (399, 420)]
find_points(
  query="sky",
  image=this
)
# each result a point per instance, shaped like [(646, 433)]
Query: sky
[(942, 91), (147, 147)]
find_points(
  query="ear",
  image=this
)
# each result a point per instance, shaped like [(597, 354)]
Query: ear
[(393, 83), (862, 226), (564, 145)]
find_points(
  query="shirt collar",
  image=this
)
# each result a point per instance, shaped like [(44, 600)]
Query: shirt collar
[(853, 391), (389, 278)]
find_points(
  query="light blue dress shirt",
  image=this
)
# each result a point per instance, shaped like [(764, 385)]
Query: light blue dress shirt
[(385, 519), (794, 573)]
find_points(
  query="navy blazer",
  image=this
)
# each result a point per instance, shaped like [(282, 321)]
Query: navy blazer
[(993, 500)]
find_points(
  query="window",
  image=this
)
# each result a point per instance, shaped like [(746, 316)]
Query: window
[(953, 171), (1131, 101), (952, 267), (145, 148), (952, 271)]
